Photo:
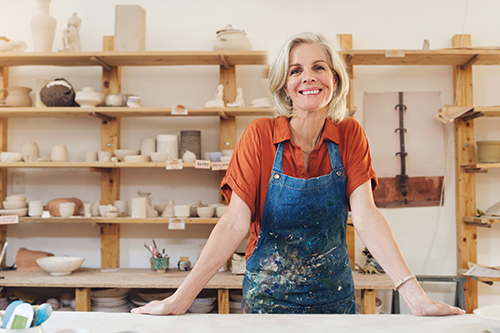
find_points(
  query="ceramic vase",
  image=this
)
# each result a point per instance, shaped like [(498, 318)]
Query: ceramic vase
[(169, 209), (30, 149), (59, 153), (43, 27)]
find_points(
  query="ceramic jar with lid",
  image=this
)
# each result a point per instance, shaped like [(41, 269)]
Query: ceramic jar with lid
[(229, 38)]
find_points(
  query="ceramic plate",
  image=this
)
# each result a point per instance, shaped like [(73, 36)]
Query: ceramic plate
[(113, 292), (18, 212)]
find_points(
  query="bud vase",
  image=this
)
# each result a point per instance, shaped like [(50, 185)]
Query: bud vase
[(43, 27)]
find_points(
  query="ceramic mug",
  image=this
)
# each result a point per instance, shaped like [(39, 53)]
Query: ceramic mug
[(90, 156), (104, 156), (35, 208), (16, 96)]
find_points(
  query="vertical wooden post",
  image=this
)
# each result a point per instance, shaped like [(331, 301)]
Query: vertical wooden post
[(4, 82), (82, 298), (465, 182), (110, 179), (223, 300), (345, 41), (227, 127)]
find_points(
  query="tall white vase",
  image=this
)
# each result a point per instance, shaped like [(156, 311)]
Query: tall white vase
[(43, 27)]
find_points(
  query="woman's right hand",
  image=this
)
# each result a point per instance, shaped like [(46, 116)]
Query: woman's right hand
[(168, 306)]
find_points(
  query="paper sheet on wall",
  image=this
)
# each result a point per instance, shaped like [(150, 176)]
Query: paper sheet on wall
[(424, 141), (482, 271)]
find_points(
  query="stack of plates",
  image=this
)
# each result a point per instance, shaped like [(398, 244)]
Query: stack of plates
[(110, 300), (202, 305), (235, 299), (143, 297)]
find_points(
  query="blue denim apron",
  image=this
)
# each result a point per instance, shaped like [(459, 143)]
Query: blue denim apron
[(300, 263)]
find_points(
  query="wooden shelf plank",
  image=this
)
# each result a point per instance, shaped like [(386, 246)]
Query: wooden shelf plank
[(113, 112), (149, 58), (478, 166), (118, 220), (145, 278), (95, 165), (452, 56)]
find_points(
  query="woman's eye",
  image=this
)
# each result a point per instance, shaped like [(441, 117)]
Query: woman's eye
[(295, 71), (320, 68)]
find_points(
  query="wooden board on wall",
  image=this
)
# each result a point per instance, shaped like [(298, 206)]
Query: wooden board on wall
[(422, 192)]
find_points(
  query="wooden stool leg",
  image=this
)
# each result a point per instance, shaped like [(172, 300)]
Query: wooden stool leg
[(223, 297)]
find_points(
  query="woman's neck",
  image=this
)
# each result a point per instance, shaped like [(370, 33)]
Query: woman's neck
[(306, 129)]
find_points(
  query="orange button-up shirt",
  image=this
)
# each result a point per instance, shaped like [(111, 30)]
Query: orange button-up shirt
[(251, 164)]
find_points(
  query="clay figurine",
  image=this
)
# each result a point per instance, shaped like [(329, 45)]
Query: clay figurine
[(71, 36), (239, 101), (217, 102)]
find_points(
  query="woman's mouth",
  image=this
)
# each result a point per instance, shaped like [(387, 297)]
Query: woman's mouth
[(310, 92)]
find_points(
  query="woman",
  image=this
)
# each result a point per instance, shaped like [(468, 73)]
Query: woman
[(291, 181)]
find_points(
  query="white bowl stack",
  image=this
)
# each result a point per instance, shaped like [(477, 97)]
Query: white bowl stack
[(15, 205)]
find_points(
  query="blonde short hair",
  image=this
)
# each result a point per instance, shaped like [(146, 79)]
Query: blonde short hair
[(279, 71)]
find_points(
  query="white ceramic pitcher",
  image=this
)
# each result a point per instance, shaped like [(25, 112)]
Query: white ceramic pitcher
[(16, 96)]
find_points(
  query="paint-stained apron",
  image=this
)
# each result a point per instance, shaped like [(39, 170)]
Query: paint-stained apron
[(300, 263)]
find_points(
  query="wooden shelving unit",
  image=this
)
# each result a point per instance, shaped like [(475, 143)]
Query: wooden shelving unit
[(462, 57)]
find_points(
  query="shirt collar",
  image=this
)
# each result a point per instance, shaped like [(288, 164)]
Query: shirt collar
[(282, 131)]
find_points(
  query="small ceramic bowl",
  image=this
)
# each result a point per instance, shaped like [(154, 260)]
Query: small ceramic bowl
[(14, 204), (181, 211), (15, 198), (60, 265), (159, 157), (205, 212), (121, 153), (137, 158), (490, 317)]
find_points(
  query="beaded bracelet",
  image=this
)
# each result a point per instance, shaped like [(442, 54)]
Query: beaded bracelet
[(403, 280)]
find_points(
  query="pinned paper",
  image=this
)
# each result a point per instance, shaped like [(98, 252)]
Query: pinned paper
[(9, 219), (174, 165), (202, 164), (220, 165), (177, 224), (179, 110)]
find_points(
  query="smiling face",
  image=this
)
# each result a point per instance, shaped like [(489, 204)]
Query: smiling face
[(310, 82)]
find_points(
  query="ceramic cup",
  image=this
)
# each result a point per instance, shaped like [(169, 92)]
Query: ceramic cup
[(104, 156), (181, 211), (59, 153), (215, 156), (87, 208), (139, 206), (66, 209), (148, 146), (102, 210), (35, 208), (90, 156)]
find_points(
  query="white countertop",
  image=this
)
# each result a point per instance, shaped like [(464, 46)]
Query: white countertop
[(95, 322)]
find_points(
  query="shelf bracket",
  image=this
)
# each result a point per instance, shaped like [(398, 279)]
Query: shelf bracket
[(348, 59), (471, 62), (223, 61), (476, 170), (478, 224), (101, 116), (473, 115), (99, 61), (223, 115)]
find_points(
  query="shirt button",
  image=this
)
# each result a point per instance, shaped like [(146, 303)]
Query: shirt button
[(339, 173), (276, 176), (314, 157)]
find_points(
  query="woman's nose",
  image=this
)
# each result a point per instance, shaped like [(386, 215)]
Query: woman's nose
[(308, 77)]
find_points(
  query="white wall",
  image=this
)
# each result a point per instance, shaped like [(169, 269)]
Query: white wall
[(427, 236)]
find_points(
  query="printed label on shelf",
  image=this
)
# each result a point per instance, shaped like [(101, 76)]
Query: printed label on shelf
[(220, 165), (202, 164), (179, 110), (174, 165), (394, 53), (177, 224), (9, 219)]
